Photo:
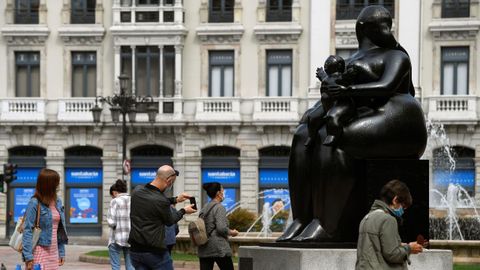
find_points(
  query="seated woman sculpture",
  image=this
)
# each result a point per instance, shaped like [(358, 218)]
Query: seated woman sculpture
[(388, 124)]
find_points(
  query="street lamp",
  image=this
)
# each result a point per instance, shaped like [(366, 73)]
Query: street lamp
[(125, 103)]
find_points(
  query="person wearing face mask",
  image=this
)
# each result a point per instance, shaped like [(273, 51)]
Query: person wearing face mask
[(217, 249), (379, 245), (149, 214)]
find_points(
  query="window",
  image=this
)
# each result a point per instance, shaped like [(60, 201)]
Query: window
[(27, 80), (148, 2), (221, 73), (220, 11), (147, 69), (83, 11), (279, 10), (279, 73), (455, 8), (349, 9), (455, 70), (26, 11), (84, 74)]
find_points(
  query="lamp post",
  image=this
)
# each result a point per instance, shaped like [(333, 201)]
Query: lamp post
[(125, 103)]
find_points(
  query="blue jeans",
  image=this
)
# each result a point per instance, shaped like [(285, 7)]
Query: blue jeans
[(152, 261), (115, 251)]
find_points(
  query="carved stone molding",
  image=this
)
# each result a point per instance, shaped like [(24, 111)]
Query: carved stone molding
[(454, 29), (278, 32), (220, 33), (81, 35), (22, 35)]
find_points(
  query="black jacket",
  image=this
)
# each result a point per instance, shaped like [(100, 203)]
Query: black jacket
[(149, 213)]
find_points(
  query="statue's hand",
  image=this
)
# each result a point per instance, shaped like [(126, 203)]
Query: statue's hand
[(336, 90)]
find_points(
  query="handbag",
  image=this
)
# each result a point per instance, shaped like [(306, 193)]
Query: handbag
[(17, 236)]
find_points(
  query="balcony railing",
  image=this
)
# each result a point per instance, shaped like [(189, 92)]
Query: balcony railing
[(347, 11), (456, 9), (218, 109), (276, 109), (75, 109), (23, 110), (452, 108)]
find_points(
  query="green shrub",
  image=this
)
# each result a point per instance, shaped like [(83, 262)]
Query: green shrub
[(241, 219)]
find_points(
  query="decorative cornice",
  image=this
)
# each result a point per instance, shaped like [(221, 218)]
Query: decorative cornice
[(149, 30), (81, 34), (278, 32), (445, 29), (218, 33), (25, 34)]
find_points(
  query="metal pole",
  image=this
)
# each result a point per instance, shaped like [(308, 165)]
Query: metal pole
[(124, 141)]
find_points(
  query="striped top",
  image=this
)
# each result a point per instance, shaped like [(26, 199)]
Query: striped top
[(47, 256), (118, 218)]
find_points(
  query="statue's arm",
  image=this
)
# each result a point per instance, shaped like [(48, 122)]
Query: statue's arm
[(397, 68)]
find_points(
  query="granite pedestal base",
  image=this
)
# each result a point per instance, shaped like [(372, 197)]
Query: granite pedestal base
[(271, 258)]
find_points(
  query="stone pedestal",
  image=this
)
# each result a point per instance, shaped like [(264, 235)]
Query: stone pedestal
[(271, 258)]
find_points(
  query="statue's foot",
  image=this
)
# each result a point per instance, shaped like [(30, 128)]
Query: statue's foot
[(313, 232), (293, 230), (330, 140)]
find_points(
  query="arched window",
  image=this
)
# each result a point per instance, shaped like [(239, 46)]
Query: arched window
[(221, 164), (146, 160)]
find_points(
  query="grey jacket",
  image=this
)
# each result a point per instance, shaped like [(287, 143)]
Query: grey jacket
[(379, 244), (216, 222)]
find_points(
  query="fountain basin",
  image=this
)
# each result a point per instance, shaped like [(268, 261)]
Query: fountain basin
[(464, 251)]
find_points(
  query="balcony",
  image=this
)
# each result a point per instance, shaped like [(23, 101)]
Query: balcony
[(214, 109), (23, 110), (278, 109), (453, 109), (75, 110)]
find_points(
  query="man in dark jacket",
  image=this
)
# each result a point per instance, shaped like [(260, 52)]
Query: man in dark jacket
[(379, 245), (150, 213)]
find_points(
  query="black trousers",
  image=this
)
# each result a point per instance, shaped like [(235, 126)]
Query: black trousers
[(224, 263)]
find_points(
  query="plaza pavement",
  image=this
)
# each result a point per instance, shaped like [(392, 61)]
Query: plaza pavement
[(10, 258)]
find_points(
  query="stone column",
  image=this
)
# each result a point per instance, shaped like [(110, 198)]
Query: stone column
[(249, 183), (57, 163), (117, 65), (160, 80), (133, 69), (178, 70)]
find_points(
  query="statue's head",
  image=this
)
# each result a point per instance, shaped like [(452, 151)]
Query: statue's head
[(375, 23)]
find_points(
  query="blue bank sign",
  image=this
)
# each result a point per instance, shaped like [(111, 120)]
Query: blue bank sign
[(223, 176), (274, 177), (465, 178), (141, 176), (84, 176), (26, 176)]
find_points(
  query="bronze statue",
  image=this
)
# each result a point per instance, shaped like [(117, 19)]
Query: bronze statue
[(368, 111)]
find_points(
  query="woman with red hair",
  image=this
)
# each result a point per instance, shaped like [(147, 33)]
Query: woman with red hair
[(49, 251)]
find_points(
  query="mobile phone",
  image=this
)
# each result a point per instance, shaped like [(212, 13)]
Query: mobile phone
[(194, 202)]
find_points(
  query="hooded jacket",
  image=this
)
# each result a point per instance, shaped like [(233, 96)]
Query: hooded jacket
[(379, 245)]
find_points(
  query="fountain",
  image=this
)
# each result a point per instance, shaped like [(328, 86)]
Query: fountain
[(453, 214)]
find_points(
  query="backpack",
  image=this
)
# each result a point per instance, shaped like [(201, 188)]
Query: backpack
[(197, 231)]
